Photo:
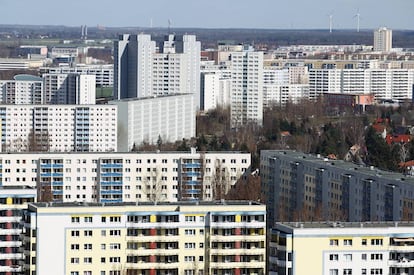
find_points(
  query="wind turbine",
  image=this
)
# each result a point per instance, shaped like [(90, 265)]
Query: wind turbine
[(358, 17), (330, 22)]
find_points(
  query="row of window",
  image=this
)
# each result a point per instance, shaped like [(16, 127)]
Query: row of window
[(348, 242), (348, 257), (364, 271)]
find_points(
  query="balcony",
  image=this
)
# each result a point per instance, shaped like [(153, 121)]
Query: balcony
[(402, 248), (191, 165), (111, 165), (11, 256), (14, 268), (149, 265), (403, 262), (252, 224), (234, 238), (237, 251), (10, 219), (10, 243), (13, 231), (251, 264), (147, 239)]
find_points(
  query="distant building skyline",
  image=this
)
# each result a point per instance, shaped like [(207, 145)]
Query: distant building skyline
[(266, 14)]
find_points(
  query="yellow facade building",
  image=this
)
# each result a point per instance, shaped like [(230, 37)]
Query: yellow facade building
[(332, 248), (149, 238)]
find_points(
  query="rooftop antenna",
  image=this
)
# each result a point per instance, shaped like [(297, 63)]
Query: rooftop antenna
[(358, 17)]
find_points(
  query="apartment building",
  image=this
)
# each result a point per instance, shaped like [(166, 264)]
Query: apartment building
[(146, 238), (170, 117), (336, 248), (142, 71), (73, 88), (13, 200), (104, 74), (300, 186), (125, 177), (59, 128), (247, 88), (23, 89), (395, 84), (383, 40)]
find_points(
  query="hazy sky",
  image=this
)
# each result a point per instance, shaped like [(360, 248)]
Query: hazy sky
[(274, 14)]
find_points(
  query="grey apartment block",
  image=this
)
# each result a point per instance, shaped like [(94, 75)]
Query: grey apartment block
[(300, 186)]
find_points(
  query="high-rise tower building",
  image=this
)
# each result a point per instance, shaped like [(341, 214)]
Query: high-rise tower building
[(383, 40), (247, 92), (141, 71)]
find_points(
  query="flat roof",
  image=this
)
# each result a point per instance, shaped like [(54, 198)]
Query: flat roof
[(330, 224), (178, 203), (369, 171)]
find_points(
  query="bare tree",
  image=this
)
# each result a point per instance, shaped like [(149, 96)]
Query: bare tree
[(153, 186), (220, 181)]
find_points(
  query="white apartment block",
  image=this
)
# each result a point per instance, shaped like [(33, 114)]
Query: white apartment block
[(164, 238), (247, 88), (171, 118), (69, 89), (210, 90), (395, 84), (104, 74), (141, 71), (60, 128), (125, 177), (23, 89), (383, 40), (336, 248)]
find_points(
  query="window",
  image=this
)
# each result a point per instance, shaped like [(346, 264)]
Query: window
[(74, 233), (348, 257), (87, 233), (333, 257), (103, 259), (103, 219), (376, 242), (189, 258), (103, 233), (364, 242), (74, 246), (74, 260), (87, 219), (363, 271), (347, 271), (103, 246), (376, 256), (376, 271), (115, 219), (190, 245), (333, 242), (190, 218), (87, 246), (115, 232), (75, 219), (348, 242), (87, 260), (333, 271), (114, 259), (364, 257), (189, 232), (115, 246)]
